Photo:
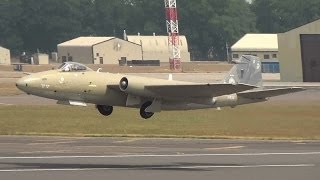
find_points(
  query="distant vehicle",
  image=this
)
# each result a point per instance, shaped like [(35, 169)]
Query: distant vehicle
[(76, 84), (25, 58)]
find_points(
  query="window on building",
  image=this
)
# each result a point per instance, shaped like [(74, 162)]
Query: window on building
[(101, 60), (97, 54), (270, 67), (266, 56), (274, 55), (70, 58), (235, 56)]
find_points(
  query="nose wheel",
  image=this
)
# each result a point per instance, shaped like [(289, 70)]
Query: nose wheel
[(105, 110), (143, 113)]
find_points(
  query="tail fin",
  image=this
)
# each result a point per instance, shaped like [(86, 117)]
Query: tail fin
[(247, 70)]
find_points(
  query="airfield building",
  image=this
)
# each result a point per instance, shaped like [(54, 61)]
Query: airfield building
[(299, 53), (264, 46), (40, 59), (109, 50), (157, 47), (5, 56), (98, 50)]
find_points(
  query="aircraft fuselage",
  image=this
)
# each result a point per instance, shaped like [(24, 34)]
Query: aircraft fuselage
[(92, 87)]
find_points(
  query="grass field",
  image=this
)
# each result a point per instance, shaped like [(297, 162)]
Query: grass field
[(262, 121)]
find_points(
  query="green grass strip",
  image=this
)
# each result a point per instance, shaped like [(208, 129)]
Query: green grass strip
[(259, 121)]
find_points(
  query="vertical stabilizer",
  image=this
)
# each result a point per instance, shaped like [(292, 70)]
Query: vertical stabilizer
[(247, 70)]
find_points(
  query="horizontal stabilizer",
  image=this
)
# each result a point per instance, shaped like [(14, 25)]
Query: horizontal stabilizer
[(262, 94), (197, 90)]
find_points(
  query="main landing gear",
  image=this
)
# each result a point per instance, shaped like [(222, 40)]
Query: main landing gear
[(105, 110), (143, 113)]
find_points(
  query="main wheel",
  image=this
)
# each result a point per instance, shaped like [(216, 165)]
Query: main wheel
[(143, 113), (105, 110)]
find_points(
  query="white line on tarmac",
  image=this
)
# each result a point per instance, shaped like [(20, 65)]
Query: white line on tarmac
[(159, 155), (169, 167), (5, 104), (224, 148)]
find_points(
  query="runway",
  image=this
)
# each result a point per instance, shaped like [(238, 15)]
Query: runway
[(128, 158)]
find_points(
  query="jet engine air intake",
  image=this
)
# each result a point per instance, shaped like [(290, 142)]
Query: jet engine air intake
[(123, 84), (134, 86)]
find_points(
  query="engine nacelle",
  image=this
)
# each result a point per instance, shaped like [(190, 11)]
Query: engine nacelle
[(134, 86)]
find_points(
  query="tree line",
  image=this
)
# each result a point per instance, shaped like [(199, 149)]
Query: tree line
[(209, 25)]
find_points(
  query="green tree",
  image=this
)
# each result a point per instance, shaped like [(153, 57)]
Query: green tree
[(210, 24), (147, 17), (42, 24), (10, 12), (275, 16), (45, 23)]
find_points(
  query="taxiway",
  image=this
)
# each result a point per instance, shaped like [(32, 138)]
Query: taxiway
[(49, 158)]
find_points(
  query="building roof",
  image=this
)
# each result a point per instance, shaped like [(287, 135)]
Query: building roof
[(157, 43), (257, 42), (3, 48), (304, 26), (85, 41)]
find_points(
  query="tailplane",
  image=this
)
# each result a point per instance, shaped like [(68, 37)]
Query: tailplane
[(247, 70)]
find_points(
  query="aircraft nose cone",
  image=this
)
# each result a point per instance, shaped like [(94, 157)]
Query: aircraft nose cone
[(22, 84)]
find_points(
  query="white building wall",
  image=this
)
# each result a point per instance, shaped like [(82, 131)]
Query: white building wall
[(110, 52), (290, 51), (261, 55), (156, 47), (5, 57), (107, 51), (81, 54)]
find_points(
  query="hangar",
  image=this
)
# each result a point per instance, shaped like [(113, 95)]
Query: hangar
[(265, 46), (156, 47), (5, 56), (299, 53), (98, 50)]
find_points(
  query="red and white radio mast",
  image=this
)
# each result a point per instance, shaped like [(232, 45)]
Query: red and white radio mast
[(173, 33)]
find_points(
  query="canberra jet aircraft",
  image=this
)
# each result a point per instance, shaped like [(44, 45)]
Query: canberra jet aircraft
[(76, 84)]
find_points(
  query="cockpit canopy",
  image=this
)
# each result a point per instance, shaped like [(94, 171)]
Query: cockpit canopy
[(73, 67)]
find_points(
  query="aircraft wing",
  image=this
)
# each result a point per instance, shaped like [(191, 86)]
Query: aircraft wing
[(197, 90), (262, 94), (190, 90)]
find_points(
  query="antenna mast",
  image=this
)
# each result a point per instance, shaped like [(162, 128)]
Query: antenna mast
[(173, 33)]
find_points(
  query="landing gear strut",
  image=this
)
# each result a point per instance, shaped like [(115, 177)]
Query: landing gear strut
[(143, 113), (105, 110)]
